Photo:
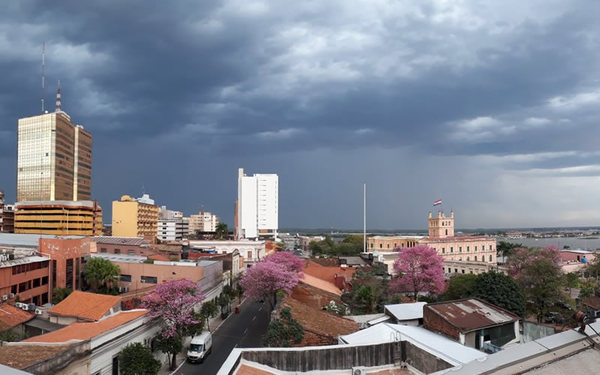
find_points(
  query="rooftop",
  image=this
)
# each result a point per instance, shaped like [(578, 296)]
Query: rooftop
[(83, 305), (327, 273), (27, 240), (88, 330), (23, 356), (321, 284), (471, 314), (406, 311), (11, 316), (593, 302), (23, 260), (128, 241), (319, 322), (433, 343), (120, 257)]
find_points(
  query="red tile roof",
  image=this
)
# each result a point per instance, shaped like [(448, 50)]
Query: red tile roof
[(83, 305), (88, 330), (158, 257), (327, 273), (11, 316)]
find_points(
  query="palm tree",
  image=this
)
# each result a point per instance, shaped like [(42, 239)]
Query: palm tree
[(222, 231)]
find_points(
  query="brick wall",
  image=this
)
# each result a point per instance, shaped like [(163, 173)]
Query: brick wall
[(433, 322)]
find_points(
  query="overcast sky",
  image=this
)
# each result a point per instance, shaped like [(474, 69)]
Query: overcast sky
[(492, 106)]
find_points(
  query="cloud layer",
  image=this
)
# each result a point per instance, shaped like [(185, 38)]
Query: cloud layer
[(492, 106)]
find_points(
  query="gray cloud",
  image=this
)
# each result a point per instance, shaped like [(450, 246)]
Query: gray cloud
[(179, 95)]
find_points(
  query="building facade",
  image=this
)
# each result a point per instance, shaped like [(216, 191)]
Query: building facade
[(7, 216), (203, 222), (135, 217), (24, 275), (172, 229), (257, 207), (54, 159), (461, 254), (250, 251), (59, 218)]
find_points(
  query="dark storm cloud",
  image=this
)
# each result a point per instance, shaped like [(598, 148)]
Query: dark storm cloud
[(193, 90)]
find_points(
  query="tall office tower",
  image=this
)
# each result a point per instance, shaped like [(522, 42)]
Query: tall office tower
[(257, 206), (54, 158)]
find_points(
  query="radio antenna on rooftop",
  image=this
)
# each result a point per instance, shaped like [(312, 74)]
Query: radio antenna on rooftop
[(43, 74)]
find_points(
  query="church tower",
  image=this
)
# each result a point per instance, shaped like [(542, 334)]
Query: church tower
[(441, 226)]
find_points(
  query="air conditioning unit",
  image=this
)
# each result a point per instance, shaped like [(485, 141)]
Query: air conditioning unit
[(358, 371), (38, 312), (24, 306), (19, 305), (12, 295), (4, 297)]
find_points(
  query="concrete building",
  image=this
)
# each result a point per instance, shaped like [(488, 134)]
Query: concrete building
[(172, 229), (7, 216), (68, 257), (122, 245), (24, 275), (462, 254), (138, 274), (54, 159), (250, 251), (257, 206), (59, 218), (473, 323), (135, 217), (205, 222)]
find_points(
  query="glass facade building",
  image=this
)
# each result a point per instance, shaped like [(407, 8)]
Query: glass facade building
[(54, 159)]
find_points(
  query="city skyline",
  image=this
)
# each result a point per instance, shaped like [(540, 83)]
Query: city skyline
[(491, 107)]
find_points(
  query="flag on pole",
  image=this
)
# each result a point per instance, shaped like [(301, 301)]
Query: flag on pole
[(437, 203)]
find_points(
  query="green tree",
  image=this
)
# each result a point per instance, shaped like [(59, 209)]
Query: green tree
[(58, 294), (101, 275), (500, 290), (209, 310), (588, 288), (460, 286), (506, 248), (283, 331), (137, 359), (170, 344), (364, 299), (222, 231), (541, 282)]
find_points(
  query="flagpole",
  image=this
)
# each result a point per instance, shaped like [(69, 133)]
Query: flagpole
[(364, 218)]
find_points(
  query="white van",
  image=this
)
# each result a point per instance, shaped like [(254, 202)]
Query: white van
[(200, 347)]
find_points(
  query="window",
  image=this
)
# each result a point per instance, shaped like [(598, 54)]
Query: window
[(460, 249), (449, 270), (249, 254), (463, 271), (475, 248), (103, 250), (54, 273), (490, 257), (149, 280), (381, 246), (131, 252), (451, 249), (468, 259), (490, 247), (117, 251), (468, 249), (443, 250), (456, 270), (36, 283), (475, 258), (69, 274), (45, 280), (126, 278)]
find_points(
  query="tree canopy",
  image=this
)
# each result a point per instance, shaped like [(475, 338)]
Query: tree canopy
[(137, 359), (500, 290), (283, 331), (101, 275), (350, 245), (419, 269), (460, 286), (173, 303)]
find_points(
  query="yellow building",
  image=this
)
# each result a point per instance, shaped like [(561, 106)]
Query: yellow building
[(54, 159), (135, 217), (59, 218)]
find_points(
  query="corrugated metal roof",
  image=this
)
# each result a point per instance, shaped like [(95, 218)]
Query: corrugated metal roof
[(25, 260), (27, 240), (406, 311), (471, 314), (131, 241)]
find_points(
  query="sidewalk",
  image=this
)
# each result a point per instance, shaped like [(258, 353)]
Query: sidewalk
[(214, 324)]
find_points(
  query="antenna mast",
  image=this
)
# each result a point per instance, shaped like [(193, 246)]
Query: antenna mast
[(43, 75), (58, 99)]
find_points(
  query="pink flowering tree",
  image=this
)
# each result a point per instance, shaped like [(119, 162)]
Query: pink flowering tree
[(521, 257), (288, 259), (266, 278), (419, 269), (173, 303)]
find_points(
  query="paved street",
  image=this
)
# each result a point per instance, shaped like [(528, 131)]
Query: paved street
[(242, 330)]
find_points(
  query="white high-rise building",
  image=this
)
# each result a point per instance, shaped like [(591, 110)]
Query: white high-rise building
[(257, 208)]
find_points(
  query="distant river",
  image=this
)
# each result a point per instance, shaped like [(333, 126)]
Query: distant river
[(573, 242)]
